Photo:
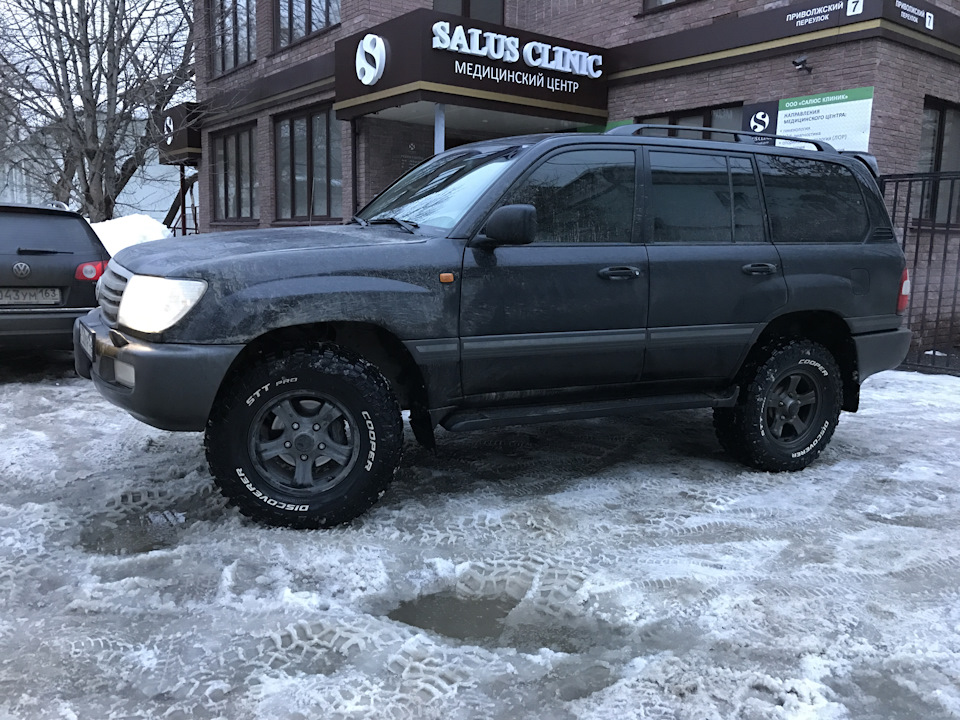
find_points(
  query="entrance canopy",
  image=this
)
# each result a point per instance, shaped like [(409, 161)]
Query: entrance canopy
[(426, 57)]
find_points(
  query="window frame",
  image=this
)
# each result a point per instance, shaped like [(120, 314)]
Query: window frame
[(278, 28), (221, 184), (332, 125), (223, 42), (705, 112), (465, 11)]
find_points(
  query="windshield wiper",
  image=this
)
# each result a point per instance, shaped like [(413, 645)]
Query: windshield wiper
[(407, 225), (359, 221), (36, 251)]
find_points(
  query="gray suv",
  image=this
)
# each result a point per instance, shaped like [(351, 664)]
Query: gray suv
[(518, 280)]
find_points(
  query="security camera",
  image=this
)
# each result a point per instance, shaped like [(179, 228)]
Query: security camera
[(801, 64)]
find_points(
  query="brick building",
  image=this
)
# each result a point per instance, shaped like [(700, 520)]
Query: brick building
[(307, 108)]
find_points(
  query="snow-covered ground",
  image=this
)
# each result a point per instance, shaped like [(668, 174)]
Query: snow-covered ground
[(613, 569)]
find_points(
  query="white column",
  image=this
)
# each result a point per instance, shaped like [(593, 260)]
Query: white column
[(439, 127)]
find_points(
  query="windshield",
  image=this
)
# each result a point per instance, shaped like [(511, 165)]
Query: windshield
[(440, 191)]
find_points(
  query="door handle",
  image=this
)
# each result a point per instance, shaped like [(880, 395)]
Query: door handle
[(619, 272), (759, 268)]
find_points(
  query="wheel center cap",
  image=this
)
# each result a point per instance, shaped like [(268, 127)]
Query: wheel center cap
[(303, 443), (792, 409)]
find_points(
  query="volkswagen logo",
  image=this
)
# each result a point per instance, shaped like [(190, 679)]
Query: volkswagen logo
[(371, 59), (21, 270)]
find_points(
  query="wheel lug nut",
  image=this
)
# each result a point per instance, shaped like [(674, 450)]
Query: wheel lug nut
[(303, 457), (296, 426), (288, 444), (316, 427), (322, 446)]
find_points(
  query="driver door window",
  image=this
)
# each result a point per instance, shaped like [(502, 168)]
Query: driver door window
[(583, 196)]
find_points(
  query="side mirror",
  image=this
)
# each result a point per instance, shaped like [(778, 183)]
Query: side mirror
[(509, 225)]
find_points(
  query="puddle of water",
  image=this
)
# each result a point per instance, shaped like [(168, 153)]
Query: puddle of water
[(134, 534), (449, 614)]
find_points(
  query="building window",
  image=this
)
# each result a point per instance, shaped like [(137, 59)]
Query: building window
[(299, 18), (235, 175), (726, 118), (940, 152), (308, 167), (490, 11), (235, 33)]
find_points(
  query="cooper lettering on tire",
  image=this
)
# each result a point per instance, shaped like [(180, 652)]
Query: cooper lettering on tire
[(788, 409), (306, 438)]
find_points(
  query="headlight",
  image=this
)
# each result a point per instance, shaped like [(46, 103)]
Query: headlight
[(152, 304)]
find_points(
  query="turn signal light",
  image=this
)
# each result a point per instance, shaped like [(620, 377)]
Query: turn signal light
[(90, 271), (904, 292)]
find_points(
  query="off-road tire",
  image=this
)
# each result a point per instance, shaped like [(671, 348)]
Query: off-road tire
[(788, 409), (306, 438)]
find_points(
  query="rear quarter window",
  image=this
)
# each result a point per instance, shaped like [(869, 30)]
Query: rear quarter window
[(812, 201), (40, 231)]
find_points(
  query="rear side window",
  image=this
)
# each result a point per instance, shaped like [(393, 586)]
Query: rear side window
[(582, 196), (704, 198), (39, 231), (812, 201)]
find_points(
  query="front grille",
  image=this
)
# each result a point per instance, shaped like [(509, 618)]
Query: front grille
[(110, 291)]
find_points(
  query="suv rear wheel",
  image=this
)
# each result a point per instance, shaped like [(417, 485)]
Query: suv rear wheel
[(788, 410), (308, 438)]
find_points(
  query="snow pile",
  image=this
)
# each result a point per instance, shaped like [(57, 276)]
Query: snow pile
[(130, 230)]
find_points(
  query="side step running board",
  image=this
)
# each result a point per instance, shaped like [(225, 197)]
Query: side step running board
[(477, 418)]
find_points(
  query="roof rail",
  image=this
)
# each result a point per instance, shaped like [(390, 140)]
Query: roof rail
[(740, 135)]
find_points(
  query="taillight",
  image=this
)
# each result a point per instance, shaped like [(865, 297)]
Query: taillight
[(90, 271), (904, 292)]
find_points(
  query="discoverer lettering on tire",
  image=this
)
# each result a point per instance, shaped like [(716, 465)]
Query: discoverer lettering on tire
[(307, 437)]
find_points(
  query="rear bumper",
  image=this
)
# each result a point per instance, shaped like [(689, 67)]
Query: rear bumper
[(167, 385), (881, 351), (38, 328)]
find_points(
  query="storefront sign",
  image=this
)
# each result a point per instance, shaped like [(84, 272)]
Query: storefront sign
[(840, 118), (180, 135), (498, 46), (425, 55)]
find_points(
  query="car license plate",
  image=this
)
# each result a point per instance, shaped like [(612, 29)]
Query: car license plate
[(86, 340), (29, 296)]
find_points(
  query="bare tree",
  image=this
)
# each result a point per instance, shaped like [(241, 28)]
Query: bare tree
[(86, 83)]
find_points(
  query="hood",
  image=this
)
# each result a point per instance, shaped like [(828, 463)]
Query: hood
[(198, 255)]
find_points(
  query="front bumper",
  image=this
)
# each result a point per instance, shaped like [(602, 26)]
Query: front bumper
[(168, 385)]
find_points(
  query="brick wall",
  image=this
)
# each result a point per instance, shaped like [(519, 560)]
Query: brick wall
[(901, 77)]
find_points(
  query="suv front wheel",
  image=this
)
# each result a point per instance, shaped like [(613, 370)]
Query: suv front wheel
[(788, 409), (309, 438)]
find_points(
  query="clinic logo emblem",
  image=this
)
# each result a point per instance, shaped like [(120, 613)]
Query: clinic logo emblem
[(371, 59), (168, 129), (760, 121), (21, 270)]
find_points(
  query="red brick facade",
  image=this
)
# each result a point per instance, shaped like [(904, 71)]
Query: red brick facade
[(902, 73)]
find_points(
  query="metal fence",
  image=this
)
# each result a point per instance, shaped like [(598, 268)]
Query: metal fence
[(925, 208)]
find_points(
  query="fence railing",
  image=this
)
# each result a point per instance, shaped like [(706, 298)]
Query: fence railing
[(925, 209)]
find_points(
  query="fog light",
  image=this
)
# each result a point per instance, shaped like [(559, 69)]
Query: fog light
[(123, 373)]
